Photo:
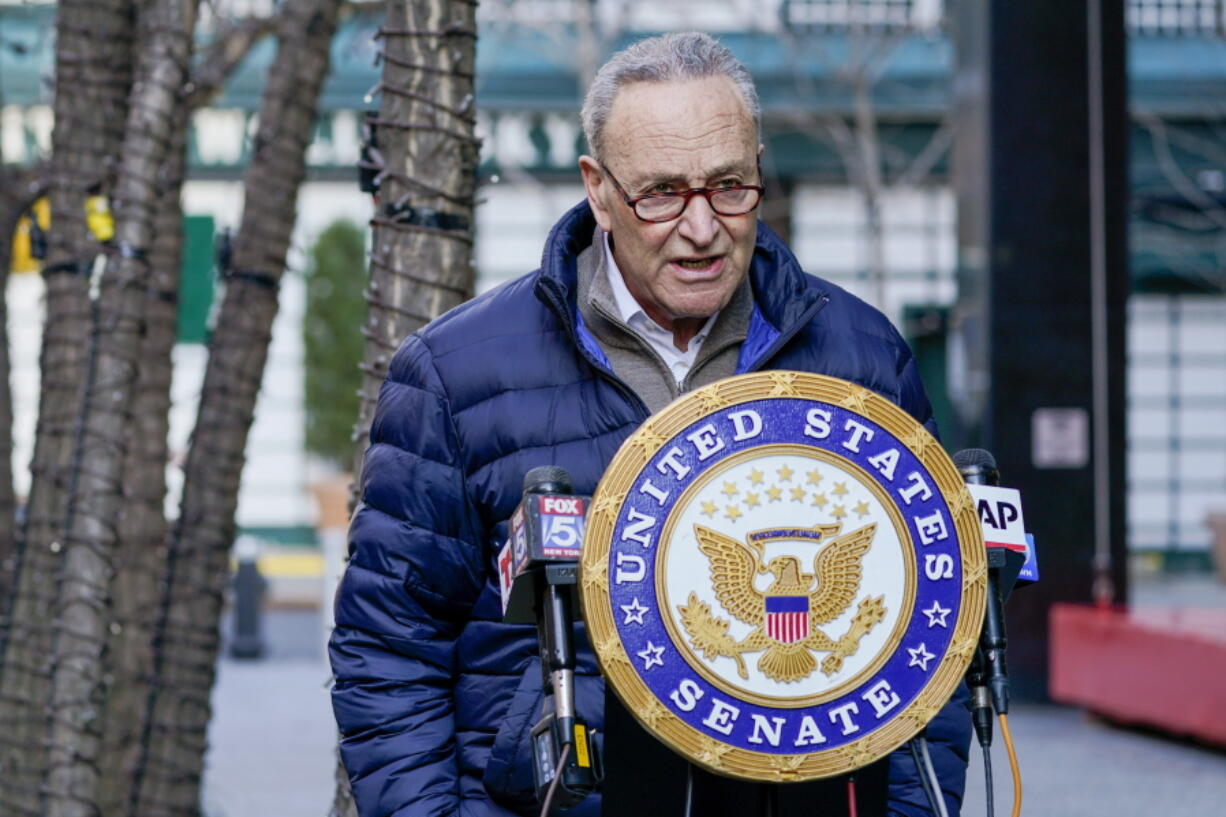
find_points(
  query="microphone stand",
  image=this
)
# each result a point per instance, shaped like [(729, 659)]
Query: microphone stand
[(566, 764), (988, 677)]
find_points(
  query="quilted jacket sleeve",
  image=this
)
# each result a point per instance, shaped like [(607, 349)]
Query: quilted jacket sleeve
[(414, 572), (949, 733)]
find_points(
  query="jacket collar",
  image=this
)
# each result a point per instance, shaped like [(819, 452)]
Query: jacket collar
[(784, 296)]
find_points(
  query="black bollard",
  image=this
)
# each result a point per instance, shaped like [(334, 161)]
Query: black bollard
[(249, 586)]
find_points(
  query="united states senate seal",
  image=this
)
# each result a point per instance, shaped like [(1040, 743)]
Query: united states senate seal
[(783, 576)]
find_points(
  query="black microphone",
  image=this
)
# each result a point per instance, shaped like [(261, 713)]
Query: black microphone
[(538, 569), (988, 671), (977, 466), (546, 532)]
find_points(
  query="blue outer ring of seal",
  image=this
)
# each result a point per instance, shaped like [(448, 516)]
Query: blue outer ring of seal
[(784, 420)]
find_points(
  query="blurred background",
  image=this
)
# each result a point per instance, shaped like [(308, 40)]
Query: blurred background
[(1036, 197)]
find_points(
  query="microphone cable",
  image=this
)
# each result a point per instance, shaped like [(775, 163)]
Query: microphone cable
[(987, 779), (557, 777), (1013, 767), (919, 771), (938, 799)]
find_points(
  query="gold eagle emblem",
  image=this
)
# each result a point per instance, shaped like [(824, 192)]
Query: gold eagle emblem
[(787, 615)]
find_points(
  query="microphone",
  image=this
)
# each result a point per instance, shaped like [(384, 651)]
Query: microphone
[(1000, 512), (537, 570), (546, 532)]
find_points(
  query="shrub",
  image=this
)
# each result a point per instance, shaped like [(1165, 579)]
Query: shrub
[(332, 341)]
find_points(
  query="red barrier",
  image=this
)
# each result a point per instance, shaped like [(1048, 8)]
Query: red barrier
[(1157, 666)]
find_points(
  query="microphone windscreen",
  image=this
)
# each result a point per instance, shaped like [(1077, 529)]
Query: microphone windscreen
[(974, 457), (977, 467), (548, 479)]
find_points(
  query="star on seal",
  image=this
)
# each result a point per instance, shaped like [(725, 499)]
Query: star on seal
[(936, 615), (634, 612), (653, 656), (919, 657)]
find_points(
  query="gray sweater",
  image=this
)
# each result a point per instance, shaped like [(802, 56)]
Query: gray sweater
[(633, 359)]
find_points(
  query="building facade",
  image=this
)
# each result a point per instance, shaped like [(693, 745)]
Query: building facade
[(889, 235)]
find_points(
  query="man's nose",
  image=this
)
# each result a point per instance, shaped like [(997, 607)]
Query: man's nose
[(699, 223)]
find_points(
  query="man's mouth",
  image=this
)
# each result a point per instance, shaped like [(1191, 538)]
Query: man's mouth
[(697, 263)]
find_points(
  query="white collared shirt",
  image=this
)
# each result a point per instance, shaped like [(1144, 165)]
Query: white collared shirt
[(657, 337)]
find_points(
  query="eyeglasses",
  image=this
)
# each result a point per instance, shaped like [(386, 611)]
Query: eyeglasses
[(733, 200)]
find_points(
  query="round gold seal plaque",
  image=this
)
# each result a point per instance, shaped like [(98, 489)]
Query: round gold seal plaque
[(783, 576)]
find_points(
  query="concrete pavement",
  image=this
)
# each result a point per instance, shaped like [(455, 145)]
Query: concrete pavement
[(272, 737), (1074, 765)]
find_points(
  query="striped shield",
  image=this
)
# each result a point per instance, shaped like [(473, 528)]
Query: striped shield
[(787, 618)]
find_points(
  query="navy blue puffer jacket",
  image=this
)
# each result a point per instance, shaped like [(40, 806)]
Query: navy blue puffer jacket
[(434, 695)]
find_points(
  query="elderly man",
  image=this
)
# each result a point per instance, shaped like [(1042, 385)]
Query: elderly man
[(662, 281)]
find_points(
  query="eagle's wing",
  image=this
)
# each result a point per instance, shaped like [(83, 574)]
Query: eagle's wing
[(733, 567), (839, 569)]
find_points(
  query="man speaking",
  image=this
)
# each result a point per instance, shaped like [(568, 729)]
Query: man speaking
[(663, 280)]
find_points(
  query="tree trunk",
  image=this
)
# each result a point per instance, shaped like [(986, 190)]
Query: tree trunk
[(199, 543), (82, 610), (93, 70), (421, 258), (140, 552)]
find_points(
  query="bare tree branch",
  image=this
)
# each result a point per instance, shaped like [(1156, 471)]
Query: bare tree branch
[(419, 271), (1208, 148), (229, 48), (858, 142), (1174, 174), (922, 165)]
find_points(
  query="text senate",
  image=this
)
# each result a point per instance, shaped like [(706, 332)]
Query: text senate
[(795, 730)]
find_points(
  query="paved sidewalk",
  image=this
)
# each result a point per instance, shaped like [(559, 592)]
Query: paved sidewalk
[(1074, 765), (272, 748), (272, 738)]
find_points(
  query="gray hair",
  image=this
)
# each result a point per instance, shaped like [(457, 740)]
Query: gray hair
[(668, 58)]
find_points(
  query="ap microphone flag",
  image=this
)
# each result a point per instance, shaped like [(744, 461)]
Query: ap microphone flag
[(1000, 515), (1000, 511)]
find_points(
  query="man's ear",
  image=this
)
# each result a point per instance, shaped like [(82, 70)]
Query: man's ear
[(597, 188)]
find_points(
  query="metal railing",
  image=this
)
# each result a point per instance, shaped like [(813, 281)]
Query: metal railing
[(1177, 17), (1145, 17), (806, 15)]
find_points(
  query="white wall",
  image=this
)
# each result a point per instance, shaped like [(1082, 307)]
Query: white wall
[(1176, 419), (512, 223), (920, 246)]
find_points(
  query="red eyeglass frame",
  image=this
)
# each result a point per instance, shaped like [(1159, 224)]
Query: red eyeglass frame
[(686, 195)]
